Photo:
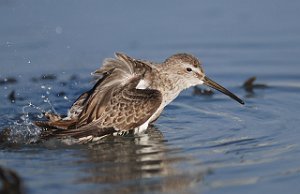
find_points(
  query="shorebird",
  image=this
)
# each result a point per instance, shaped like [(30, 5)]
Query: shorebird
[(129, 95)]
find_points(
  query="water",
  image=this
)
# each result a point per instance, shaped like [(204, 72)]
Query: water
[(201, 144)]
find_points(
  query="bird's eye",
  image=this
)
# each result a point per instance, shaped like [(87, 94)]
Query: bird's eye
[(188, 69)]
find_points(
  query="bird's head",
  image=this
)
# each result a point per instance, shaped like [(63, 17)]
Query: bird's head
[(189, 69)]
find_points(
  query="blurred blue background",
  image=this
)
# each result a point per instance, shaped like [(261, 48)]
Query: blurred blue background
[(248, 35), (200, 144)]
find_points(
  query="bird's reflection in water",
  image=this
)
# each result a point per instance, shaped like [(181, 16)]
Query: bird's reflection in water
[(138, 164)]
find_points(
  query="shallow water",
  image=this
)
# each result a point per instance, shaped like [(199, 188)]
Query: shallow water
[(201, 144)]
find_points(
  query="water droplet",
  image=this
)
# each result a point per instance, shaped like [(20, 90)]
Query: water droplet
[(9, 44), (58, 30), (40, 115)]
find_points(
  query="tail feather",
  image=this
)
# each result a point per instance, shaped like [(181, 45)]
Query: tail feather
[(93, 131)]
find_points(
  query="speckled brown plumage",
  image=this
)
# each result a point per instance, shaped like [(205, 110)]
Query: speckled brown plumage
[(129, 94)]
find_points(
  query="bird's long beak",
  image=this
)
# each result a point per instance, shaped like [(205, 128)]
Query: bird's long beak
[(220, 88)]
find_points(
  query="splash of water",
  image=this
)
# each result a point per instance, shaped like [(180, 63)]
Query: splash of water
[(23, 131), (46, 97)]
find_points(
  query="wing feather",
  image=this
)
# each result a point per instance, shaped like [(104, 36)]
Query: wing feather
[(101, 107), (133, 107)]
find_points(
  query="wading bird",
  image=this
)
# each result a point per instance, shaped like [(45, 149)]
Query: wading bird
[(129, 95)]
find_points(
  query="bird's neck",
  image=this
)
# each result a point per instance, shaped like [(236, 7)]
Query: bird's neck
[(170, 85)]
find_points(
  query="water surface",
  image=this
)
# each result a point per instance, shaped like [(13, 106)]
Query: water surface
[(201, 144)]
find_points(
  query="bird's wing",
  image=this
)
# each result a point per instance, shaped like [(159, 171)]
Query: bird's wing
[(127, 108), (89, 106), (115, 73), (125, 65), (114, 94)]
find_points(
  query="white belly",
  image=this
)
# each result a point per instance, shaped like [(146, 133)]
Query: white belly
[(142, 128)]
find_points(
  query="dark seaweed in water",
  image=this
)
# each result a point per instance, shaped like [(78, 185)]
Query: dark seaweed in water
[(8, 80), (12, 96), (249, 85), (10, 182), (44, 77)]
